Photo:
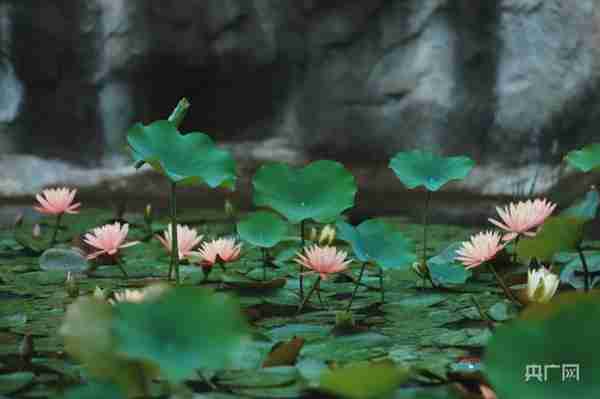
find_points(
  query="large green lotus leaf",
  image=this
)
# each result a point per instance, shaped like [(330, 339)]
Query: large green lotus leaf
[(445, 270), (423, 168), (182, 330), (319, 191), (562, 333), (377, 241), (363, 380), (586, 159), (587, 208), (192, 158), (262, 229), (558, 234)]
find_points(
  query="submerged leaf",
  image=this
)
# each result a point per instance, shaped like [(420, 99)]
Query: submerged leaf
[(379, 242), (319, 191), (423, 168), (192, 158)]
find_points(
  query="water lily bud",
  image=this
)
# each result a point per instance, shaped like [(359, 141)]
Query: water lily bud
[(541, 285), (18, 220), (313, 234), (72, 286), (327, 235), (37, 231), (344, 320), (148, 214), (100, 294), (26, 348), (419, 268), (229, 208)]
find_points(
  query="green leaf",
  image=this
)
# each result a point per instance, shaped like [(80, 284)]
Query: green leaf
[(192, 158), (94, 390), (586, 159), (319, 191), (560, 333), (572, 272), (444, 270), (379, 242), (363, 380), (558, 234), (587, 208), (262, 229), (180, 331), (423, 168)]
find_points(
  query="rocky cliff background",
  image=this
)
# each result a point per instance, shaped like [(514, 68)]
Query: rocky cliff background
[(511, 83)]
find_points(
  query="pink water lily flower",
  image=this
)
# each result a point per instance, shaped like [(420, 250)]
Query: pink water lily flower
[(523, 217), (187, 240), (323, 260), (481, 248), (108, 239), (224, 249), (56, 201)]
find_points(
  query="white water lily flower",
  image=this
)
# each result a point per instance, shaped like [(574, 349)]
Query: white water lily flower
[(541, 285)]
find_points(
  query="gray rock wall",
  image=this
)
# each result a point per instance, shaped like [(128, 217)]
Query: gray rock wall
[(509, 82)]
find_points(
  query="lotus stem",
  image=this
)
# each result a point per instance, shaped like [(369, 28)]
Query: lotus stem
[(56, 227), (586, 271), (121, 267), (301, 281), (427, 274), (360, 275), (174, 265), (179, 112), (505, 288), (381, 288), (307, 298), (264, 260), (514, 260)]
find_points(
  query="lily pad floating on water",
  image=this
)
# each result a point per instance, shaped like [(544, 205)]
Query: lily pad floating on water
[(585, 159), (192, 158), (363, 380), (262, 229), (423, 168), (379, 242), (67, 260), (319, 191)]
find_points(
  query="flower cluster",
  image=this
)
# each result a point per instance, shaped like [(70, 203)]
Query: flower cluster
[(517, 220)]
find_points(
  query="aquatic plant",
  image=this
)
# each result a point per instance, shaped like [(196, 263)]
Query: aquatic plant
[(264, 230), (376, 242), (520, 218), (188, 159), (218, 251), (423, 168), (57, 202), (320, 191), (324, 261), (188, 240), (109, 239), (541, 285)]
